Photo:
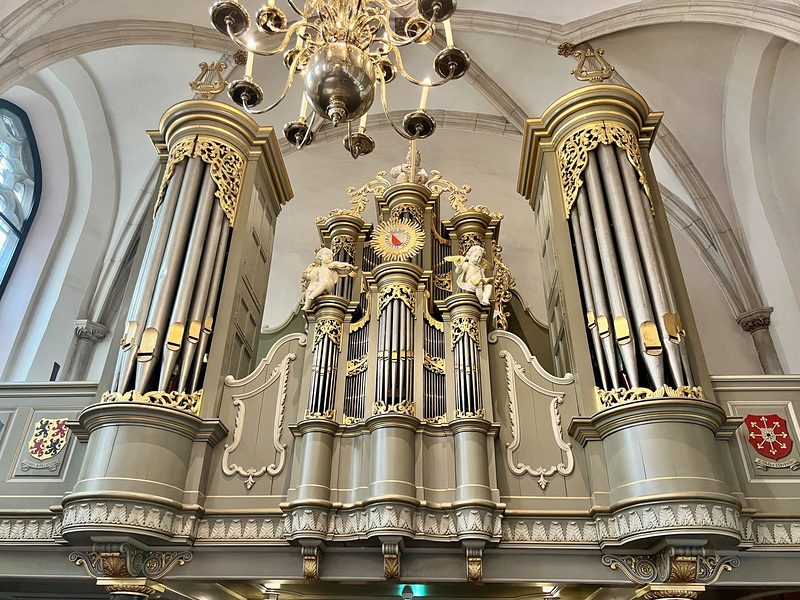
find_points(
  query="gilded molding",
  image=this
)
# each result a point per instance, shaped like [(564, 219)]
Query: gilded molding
[(226, 165), (281, 372), (607, 398), (328, 415), (504, 282), (365, 319), (573, 156), (330, 328), (426, 312), (406, 407), (400, 291), (513, 369), (186, 402), (460, 326)]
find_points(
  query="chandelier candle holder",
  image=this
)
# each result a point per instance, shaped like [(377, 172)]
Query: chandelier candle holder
[(343, 50)]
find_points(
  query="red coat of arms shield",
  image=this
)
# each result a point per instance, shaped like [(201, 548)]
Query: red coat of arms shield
[(768, 435)]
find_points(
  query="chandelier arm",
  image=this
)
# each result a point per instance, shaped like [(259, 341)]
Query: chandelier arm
[(279, 49), (350, 138), (399, 5), (297, 10), (308, 131), (389, 116), (260, 111), (416, 81)]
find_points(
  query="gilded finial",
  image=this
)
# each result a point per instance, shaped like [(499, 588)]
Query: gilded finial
[(206, 84)]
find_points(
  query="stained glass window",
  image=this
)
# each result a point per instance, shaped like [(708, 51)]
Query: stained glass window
[(20, 184)]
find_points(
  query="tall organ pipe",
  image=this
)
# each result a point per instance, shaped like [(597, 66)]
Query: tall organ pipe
[(143, 293), (588, 297), (168, 275), (611, 274), (655, 278), (211, 306), (631, 264), (189, 274)]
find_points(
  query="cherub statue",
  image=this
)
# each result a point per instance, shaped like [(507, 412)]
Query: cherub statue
[(321, 276), (402, 173), (470, 274)]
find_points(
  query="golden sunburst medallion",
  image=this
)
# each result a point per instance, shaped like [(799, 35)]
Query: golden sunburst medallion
[(398, 239)]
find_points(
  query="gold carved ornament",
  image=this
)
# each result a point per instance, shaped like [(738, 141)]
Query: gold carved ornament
[(400, 291), (434, 364), (414, 210), (504, 282), (457, 195), (467, 241), (443, 282), (358, 197), (206, 85), (608, 398), (344, 242), (330, 328), (357, 365), (226, 165), (365, 318), (398, 239), (405, 407), (478, 414), (429, 318), (328, 415), (464, 325), (573, 156), (186, 402)]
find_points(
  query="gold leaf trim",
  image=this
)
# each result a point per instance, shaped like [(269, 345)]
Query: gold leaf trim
[(356, 366), (358, 197), (443, 282), (573, 156), (406, 407), (227, 168), (401, 291), (412, 246), (434, 364), (187, 402), (332, 328), (465, 325), (180, 150), (328, 415), (346, 242), (365, 319), (608, 398), (478, 414), (429, 318)]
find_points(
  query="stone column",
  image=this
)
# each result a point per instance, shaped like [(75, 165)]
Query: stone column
[(87, 335), (756, 322)]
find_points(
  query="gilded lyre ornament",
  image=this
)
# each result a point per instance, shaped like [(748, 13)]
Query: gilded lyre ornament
[(187, 402), (403, 292), (398, 239), (504, 282), (608, 398), (464, 325), (206, 84), (600, 73), (573, 156), (320, 277), (226, 164)]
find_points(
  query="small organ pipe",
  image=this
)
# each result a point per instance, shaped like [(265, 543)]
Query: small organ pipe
[(611, 274), (631, 264)]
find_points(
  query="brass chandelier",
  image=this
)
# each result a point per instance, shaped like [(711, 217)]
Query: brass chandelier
[(342, 49)]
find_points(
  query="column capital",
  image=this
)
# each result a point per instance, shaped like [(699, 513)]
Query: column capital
[(753, 320), (89, 330)]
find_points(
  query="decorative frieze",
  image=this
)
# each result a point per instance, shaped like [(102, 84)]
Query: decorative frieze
[(131, 515)]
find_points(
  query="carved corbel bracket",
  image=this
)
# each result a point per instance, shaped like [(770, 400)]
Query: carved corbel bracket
[(675, 572), (391, 560), (311, 555), (129, 567), (475, 564)]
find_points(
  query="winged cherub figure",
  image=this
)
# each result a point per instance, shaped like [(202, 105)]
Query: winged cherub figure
[(470, 274), (321, 276)]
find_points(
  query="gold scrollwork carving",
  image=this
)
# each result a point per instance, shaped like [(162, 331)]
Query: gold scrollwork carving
[(400, 291), (348, 420), (457, 195), (358, 197), (364, 319), (504, 282), (328, 415), (608, 398), (226, 165), (429, 318), (356, 366), (464, 325), (406, 407), (467, 241), (188, 402), (437, 420), (434, 364), (474, 568), (573, 156), (391, 566), (478, 414), (443, 282), (407, 208), (344, 242), (310, 562), (180, 150), (332, 328)]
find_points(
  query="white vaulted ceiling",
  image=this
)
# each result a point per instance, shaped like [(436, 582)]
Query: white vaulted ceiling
[(701, 62)]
